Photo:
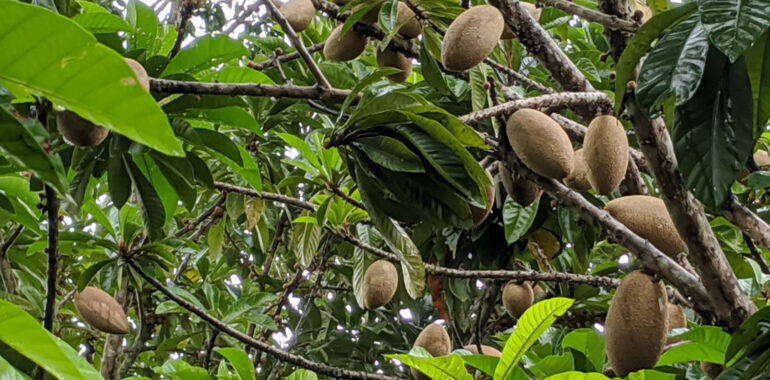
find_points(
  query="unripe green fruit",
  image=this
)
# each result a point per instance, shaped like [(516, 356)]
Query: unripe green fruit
[(344, 48), (606, 152), (636, 324), (648, 217), (380, 284), (101, 311), (540, 143), (471, 37), (517, 298)]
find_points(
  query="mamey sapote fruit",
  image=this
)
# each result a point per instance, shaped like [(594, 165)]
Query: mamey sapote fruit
[(471, 37), (101, 311), (712, 370), (79, 131), (370, 17), (677, 319), (605, 151), (479, 214), (517, 298), (380, 284), (533, 10), (540, 143), (636, 324), (435, 340), (521, 190), (648, 217), (578, 177), (485, 350), (762, 158), (344, 48), (538, 290), (409, 25), (141, 73), (299, 13), (397, 59)]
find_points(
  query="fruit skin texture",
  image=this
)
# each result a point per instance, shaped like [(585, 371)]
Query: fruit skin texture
[(485, 350), (79, 131), (540, 143), (141, 74), (101, 311), (380, 284), (533, 10), (605, 151), (521, 190), (344, 48), (471, 37), (517, 298), (636, 324), (435, 340), (677, 319), (479, 214), (410, 27), (371, 16), (393, 58), (648, 217), (299, 13), (578, 177)]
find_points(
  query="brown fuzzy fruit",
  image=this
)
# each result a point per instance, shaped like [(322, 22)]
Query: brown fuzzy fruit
[(521, 190), (677, 319), (541, 143), (380, 284), (538, 291), (479, 214), (471, 37), (517, 298), (712, 370), (533, 10), (485, 350), (371, 16), (79, 131), (141, 74), (605, 151), (299, 13), (578, 177), (101, 311), (409, 25), (344, 48), (648, 217), (435, 340), (636, 324), (394, 58)]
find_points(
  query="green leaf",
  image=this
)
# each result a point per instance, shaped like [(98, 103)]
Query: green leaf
[(759, 180), (388, 16), (118, 180), (757, 325), (429, 66), (306, 239), (758, 65), (73, 70), (640, 44), (734, 25), (179, 174), (574, 375), (709, 344), (360, 263), (366, 82), (303, 148), (553, 364), (449, 367), (153, 213), (97, 22), (484, 363), (714, 132), (232, 116), (478, 79), (648, 374), (90, 272), (390, 154), (215, 238), (529, 327), (24, 334), (240, 361), (143, 20), (204, 53), (220, 143), (5, 203), (674, 67), (8, 372), (22, 149), (589, 343), (302, 374), (517, 219)]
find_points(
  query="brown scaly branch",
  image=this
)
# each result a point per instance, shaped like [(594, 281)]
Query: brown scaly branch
[(185, 12), (609, 21), (321, 80), (562, 99), (756, 254), (730, 303), (519, 77), (167, 86), (740, 215), (267, 196), (279, 354), (283, 58), (6, 271), (336, 190), (191, 226)]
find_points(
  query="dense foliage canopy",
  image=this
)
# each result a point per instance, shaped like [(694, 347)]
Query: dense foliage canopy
[(194, 189)]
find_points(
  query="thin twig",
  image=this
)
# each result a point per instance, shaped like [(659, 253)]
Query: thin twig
[(283, 58), (185, 12), (52, 209), (609, 21), (6, 271), (756, 254)]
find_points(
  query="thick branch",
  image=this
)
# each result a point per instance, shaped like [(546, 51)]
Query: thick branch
[(730, 303), (609, 21), (562, 99), (287, 91), (185, 12), (52, 208), (254, 343), (740, 215)]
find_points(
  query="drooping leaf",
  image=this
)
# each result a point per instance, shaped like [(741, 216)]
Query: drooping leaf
[(714, 131), (708, 344), (390, 154), (205, 52), (239, 360), (145, 22), (220, 143), (153, 212), (307, 237), (517, 219), (73, 70), (758, 65), (97, 22), (215, 238), (734, 25)]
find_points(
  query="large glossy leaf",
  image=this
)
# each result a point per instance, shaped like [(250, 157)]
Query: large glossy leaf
[(734, 25), (24, 334), (240, 361), (69, 67), (674, 67), (390, 154), (153, 212), (449, 367), (533, 323), (714, 132), (517, 219), (21, 148), (553, 364), (758, 64), (640, 44), (708, 344), (307, 237), (206, 52), (97, 22), (589, 343), (144, 21)]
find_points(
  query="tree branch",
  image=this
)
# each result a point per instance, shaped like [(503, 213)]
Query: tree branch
[(6, 271), (185, 12), (283, 58), (279, 354), (52, 209), (230, 89), (609, 21), (562, 99), (741, 216)]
